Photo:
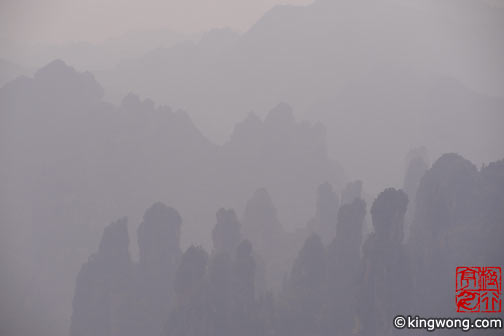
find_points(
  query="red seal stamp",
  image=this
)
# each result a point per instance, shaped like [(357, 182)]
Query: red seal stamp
[(478, 289)]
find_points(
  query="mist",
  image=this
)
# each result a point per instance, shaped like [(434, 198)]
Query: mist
[(248, 167)]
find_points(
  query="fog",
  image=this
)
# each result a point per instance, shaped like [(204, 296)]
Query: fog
[(246, 167)]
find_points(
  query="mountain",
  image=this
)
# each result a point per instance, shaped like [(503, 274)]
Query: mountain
[(93, 56), (347, 64), (71, 163), (10, 71)]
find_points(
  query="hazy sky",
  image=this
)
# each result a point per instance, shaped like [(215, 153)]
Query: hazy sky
[(58, 21)]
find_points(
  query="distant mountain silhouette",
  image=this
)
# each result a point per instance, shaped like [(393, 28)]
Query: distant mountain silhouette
[(358, 66), (92, 56), (10, 71), (378, 78), (71, 162)]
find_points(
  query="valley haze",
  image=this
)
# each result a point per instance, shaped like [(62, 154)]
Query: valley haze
[(245, 167)]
